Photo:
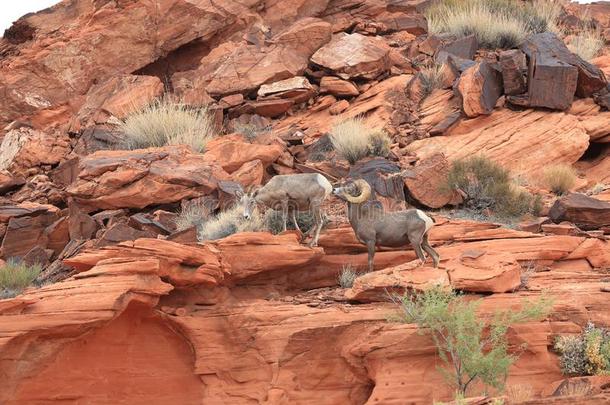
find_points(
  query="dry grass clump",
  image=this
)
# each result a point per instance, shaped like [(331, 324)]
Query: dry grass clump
[(432, 78), (275, 223), (495, 23), (166, 122), (16, 276), (576, 389), (489, 187), (229, 222), (519, 393), (347, 276), (587, 44), (193, 214), (354, 140), (559, 178)]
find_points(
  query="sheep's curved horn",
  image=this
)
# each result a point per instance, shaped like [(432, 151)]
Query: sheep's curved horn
[(365, 192)]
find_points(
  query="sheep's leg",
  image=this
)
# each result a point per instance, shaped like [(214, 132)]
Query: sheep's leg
[(284, 215), (318, 221), (296, 224), (416, 242), (371, 249), (432, 252)]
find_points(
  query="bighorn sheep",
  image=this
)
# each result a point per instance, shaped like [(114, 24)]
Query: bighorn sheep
[(374, 227), (292, 193)]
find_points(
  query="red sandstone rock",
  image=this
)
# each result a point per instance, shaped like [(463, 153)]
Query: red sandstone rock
[(136, 179), (232, 152), (584, 211), (338, 87), (117, 97), (480, 86), (339, 107), (24, 150), (556, 137), (354, 56), (426, 183)]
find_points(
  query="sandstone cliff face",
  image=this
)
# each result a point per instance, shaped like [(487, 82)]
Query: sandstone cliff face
[(134, 309), (195, 323)]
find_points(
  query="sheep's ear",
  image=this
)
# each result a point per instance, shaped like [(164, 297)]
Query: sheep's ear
[(239, 193)]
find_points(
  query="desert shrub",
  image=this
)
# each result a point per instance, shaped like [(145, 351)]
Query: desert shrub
[(354, 140), (379, 144), (194, 214), (16, 276), (559, 178), (527, 271), (472, 348), (274, 222), (347, 276), (587, 44), (495, 23), (487, 185), (598, 188), (249, 131), (585, 354), (576, 389), (166, 122), (229, 222), (519, 393), (432, 78)]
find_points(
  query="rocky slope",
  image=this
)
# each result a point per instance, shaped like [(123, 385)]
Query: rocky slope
[(131, 309)]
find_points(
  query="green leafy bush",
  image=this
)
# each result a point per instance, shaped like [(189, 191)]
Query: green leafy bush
[(16, 276), (488, 186), (471, 347), (585, 354)]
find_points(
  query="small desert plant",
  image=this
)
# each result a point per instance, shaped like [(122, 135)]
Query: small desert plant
[(586, 354), (249, 131), (559, 178), (526, 272), (598, 188), (347, 276), (432, 78), (576, 389), (519, 393), (472, 348), (229, 222), (193, 214), (487, 185), (495, 23), (166, 122), (354, 140), (587, 44), (16, 276)]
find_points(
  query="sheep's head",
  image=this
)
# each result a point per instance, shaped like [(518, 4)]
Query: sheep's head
[(247, 202), (354, 191)]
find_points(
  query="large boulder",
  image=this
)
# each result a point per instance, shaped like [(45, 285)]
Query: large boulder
[(555, 74), (425, 183), (513, 66), (354, 56), (117, 97), (232, 152), (584, 211), (139, 178), (480, 86), (23, 151), (243, 68)]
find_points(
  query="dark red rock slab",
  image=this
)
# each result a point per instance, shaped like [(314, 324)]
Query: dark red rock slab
[(582, 210), (513, 66)]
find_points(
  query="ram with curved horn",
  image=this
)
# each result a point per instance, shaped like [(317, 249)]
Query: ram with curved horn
[(374, 227)]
